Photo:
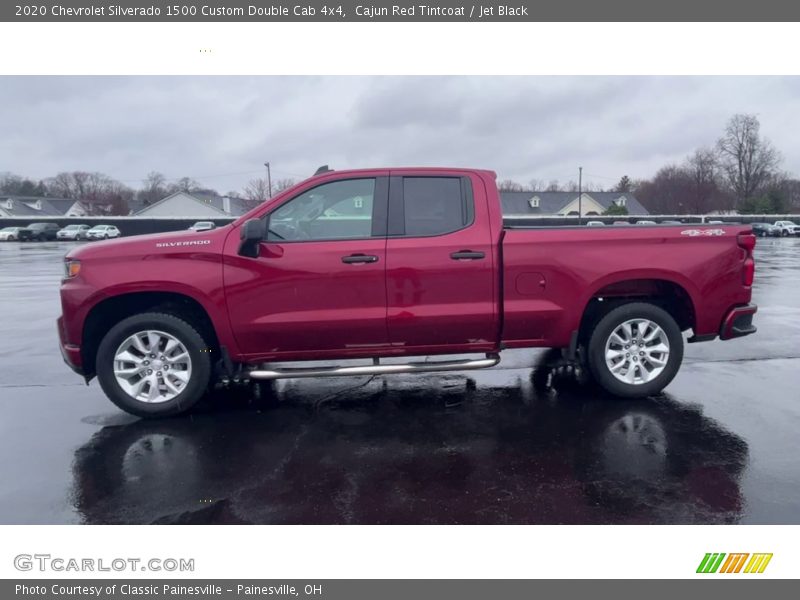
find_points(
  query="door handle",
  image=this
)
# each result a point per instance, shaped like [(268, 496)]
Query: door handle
[(359, 258), (467, 255)]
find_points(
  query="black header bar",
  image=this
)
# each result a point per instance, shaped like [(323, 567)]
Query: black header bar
[(399, 10)]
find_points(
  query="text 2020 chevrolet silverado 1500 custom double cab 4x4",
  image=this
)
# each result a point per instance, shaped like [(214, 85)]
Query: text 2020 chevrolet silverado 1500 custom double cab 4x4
[(383, 263)]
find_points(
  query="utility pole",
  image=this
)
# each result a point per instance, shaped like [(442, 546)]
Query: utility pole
[(580, 194), (269, 179)]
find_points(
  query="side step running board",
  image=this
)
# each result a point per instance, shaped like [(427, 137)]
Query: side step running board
[(377, 369)]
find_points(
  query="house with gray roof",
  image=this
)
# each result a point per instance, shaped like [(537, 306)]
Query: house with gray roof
[(532, 204), (36, 206), (194, 205)]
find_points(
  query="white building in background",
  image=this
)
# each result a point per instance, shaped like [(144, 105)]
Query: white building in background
[(34, 206), (526, 204), (194, 204)]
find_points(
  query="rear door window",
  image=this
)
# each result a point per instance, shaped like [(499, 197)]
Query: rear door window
[(436, 205)]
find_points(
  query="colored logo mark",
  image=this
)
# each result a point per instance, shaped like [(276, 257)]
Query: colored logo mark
[(719, 562)]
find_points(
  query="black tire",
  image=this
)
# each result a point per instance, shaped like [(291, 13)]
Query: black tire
[(190, 337), (608, 323), (784, 233), (105, 237)]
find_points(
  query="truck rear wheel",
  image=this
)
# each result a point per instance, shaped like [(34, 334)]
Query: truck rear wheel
[(635, 350), (154, 365)]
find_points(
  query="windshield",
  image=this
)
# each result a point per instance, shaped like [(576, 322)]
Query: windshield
[(72, 227), (8, 229)]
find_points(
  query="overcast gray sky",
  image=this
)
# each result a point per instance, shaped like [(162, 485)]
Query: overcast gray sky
[(220, 130)]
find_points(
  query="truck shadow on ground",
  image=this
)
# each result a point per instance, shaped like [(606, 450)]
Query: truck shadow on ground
[(507, 446)]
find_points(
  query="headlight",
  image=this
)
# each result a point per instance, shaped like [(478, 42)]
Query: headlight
[(71, 268)]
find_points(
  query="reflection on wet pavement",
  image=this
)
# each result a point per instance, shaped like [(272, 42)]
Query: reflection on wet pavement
[(510, 445), (433, 450)]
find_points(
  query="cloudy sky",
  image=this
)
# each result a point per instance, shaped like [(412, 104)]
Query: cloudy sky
[(221, 130)]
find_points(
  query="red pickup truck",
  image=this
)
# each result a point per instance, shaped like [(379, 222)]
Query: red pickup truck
[(381, 263)]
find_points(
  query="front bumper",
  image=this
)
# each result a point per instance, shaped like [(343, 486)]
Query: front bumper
[(69, 352), (738, 322)]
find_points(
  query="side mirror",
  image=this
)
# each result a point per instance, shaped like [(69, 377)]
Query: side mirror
[(251, 234)]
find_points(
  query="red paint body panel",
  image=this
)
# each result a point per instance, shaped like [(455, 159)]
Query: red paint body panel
[(301, 297), (575, 263), (299, 301), (434, 300)]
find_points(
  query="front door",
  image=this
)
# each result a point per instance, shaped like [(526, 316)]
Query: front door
[(318, 287)]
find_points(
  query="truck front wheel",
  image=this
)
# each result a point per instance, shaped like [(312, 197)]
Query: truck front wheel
[(154, 365), (635, 350)]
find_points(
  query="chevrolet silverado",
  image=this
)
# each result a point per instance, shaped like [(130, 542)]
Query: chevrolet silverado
[(394, 263)]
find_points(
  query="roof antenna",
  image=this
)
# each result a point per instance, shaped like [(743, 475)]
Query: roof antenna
[(322, 169)]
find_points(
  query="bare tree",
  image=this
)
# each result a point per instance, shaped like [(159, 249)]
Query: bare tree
[(553, 186), (77, 185), (282, 184), (154, 188), (667, 192), (791, 190), (748, 160), (255, 192), (508, 185), (704, 193), (537, 185), (586, 186), (14, 185), (185, 184), (96, 193)]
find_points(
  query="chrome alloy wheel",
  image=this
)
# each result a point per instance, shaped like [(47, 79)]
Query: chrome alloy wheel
[(152, 366), (637, 351)]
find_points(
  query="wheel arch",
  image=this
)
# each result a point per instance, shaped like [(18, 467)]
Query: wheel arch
[(111, 310), (670, 291)]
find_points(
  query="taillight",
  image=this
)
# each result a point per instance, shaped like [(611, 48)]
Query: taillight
[(747, 241), (749, 271)]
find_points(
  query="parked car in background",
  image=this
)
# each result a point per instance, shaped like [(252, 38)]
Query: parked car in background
[(9, 234), (766, 229), (39, 232), (671, 222), (715, 222), (645, 222), (73, 232), (103, 232), (203, 226), (787, 228), (595, 224), (620, 223)]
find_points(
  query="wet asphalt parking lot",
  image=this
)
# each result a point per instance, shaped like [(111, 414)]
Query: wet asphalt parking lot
[(517, 444)]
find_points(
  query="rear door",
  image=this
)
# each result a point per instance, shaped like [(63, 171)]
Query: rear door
[(440, 264)]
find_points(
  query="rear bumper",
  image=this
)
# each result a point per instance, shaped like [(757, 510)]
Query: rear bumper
[(738, 322), (69, 352)]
